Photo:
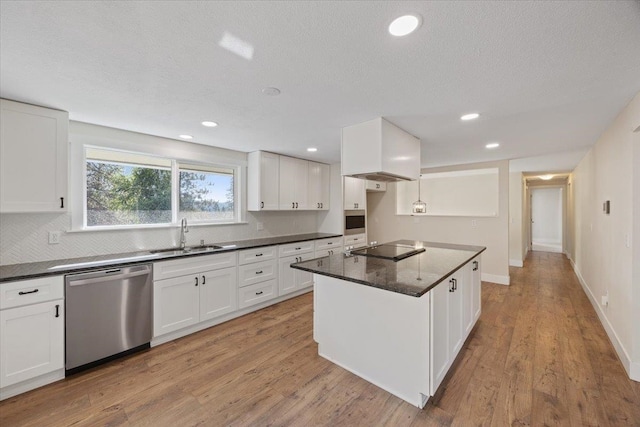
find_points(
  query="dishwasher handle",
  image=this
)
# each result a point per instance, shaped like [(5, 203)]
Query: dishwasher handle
[(83, 282)]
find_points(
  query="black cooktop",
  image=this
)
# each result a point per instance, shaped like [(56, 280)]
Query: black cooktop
[(389, 251)]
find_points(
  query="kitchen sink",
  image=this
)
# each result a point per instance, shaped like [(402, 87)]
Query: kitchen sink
[(187, 250)]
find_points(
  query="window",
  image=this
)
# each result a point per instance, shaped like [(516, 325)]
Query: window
[(130, 189), (206, 193)]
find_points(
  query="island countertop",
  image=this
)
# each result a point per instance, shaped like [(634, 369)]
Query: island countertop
[(413, 276)]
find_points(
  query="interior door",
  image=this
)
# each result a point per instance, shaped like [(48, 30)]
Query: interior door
[(546, 219)]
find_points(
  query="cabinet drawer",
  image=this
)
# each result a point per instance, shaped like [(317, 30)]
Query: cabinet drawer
[(257, 272), (296, 248), (24, 292), (255, 294), (257, 254), (326, 244), (355, 240), (193, 264)]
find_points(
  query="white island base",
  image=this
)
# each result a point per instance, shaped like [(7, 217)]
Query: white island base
[(400, 343), (380, 336)]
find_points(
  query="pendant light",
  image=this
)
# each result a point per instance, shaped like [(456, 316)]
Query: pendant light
[(419, 206)]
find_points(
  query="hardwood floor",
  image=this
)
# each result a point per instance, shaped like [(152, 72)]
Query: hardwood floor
[(538, 356)]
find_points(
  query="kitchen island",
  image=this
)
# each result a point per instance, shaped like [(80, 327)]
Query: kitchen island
[(396, 314)]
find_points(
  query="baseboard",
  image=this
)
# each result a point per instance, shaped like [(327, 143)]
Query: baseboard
[(546, 248), (516, 263), (30, 384), (632, 368), (494, 278)]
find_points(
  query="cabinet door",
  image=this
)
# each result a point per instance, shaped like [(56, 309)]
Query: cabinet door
[(31, 341), (263, 177), (467, 299), (319, 183), (456, 316), (440, 350), (218, 293), (376, 186), (293, 183), (354, 193), (175, 303), (292, 279), (286, 274), (476, 288), (33, 158)]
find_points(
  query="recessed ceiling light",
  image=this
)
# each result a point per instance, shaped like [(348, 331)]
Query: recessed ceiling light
[(209, 124), (404, 25), (546, 177), (312, 149), (470, 116), (492, 145), (271, 91), (185, 136)]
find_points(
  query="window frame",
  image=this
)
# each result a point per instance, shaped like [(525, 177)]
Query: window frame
[(79, 207)]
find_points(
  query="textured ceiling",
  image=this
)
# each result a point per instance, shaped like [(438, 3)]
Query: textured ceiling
[(546, 77)]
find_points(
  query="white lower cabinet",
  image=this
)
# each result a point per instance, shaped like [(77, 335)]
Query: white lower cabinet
[(257, 293), (291, 279), (31, 334), (204, 294), (175, 304), (218, 294), (448, 328)]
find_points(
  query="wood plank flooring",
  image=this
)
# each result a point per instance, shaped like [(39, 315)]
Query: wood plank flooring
[(538, 356)]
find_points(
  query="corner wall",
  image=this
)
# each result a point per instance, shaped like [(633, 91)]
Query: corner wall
[(602, 253), (516, 254), (493, 232)]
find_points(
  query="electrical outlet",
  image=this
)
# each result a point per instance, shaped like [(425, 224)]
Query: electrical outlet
[(260, 226), (54, 237), (604, 300), (474, 223)]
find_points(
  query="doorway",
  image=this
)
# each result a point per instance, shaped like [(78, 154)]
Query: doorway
[(546, 219)]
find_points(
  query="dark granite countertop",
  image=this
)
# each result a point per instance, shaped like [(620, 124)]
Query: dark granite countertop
[(74, 265), (412, 276)]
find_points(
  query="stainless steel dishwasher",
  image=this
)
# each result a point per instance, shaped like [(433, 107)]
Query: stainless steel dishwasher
[(108, 314)]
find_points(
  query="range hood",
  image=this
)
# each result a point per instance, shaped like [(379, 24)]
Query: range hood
[(380, 151)]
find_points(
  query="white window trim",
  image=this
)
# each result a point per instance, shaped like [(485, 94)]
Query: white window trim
[(78, 179)]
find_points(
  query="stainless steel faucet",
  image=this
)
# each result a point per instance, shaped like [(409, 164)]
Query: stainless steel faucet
[(183, 231)]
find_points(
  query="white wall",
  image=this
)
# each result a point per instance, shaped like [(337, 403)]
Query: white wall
[(24, 237), (635, 241), (516, 254), (493, 232), (602, 254)]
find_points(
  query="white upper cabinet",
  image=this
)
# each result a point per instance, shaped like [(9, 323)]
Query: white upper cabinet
[(294, 178), (319, 183), (263, 179), (286, 183), (376, 185), (355, 193), (33, 158)]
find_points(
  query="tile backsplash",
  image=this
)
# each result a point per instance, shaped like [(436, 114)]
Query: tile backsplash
[(24, 237)]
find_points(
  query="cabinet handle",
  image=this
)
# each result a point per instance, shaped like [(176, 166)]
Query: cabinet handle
[(297, 249), (475, 265), (61, 202), (28, 292), (296, 205), (377, 185), (455, 284), (259, 272), (259, 293), (203, 279), (451, 285), (57, 310), (261, 205), (329, 243), (196, 280), (321, 205), (258, 254)]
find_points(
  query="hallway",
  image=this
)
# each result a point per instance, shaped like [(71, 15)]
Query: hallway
[(538, 356)]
